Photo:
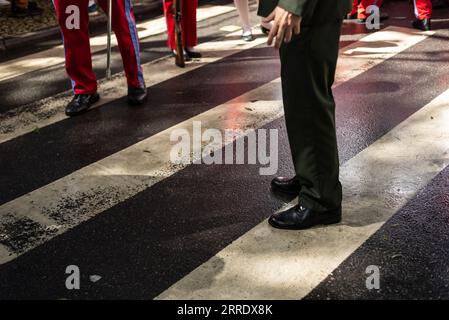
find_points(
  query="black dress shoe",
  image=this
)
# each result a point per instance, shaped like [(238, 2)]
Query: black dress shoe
[(422, 24), (265, 30), (81, 103), (298, 217), (193, 54), (285, 188), (137, 96)]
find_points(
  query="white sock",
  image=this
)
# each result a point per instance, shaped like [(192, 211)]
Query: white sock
[(247, 32)]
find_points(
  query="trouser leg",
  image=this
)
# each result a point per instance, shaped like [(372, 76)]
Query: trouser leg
[(355, 4), (124, 26), (423, 9), (243, 9), (78, 60), (308, 71), (170, 21), (189, 33)]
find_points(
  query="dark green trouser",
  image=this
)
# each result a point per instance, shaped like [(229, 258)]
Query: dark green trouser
[(308, 71)]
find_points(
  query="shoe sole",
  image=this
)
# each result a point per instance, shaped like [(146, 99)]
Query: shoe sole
[(325, 222), (137, 103), (421, 28)]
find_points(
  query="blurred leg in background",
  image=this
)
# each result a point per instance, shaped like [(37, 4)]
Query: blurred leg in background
[(360, 10), (423, 13), (243, 9), (189, 32)]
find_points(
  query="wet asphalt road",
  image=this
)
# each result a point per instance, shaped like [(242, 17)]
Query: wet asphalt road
[(153, 239)]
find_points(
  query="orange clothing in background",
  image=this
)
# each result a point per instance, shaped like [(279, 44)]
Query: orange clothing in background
[(360, 6)]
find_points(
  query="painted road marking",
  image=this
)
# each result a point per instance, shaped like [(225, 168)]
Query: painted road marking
[(267, 263), (115, 178), (50, 110), (354, 60), (53, 56)]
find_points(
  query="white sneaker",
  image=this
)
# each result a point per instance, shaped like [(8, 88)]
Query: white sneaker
[(247, 35)]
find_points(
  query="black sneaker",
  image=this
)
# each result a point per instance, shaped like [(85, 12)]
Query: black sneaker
[(137, 96), (422, 24), (192, 54), (81, 103)]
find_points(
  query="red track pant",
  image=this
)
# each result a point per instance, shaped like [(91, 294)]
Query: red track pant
[(423, 9), (188, 13), (360, 6), (78, 59)]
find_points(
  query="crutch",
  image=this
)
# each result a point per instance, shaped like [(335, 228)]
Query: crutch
[(179, 58), (108, 61)]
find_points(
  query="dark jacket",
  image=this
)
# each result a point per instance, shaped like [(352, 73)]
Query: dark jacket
[(311, 11)]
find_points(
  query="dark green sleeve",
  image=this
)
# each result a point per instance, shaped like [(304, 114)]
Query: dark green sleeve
[(297, 6)]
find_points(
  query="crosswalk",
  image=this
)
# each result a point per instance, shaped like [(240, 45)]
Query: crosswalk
[(271, 264), (53, 56), (402, 148)]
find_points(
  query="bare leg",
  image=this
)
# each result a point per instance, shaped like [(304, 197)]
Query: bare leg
[(243, 9)]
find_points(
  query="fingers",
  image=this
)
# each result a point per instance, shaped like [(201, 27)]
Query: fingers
[(270, 17), (288, 31), (273, 33), (280, 35), (284, 26), (297, 27), (288, 35)]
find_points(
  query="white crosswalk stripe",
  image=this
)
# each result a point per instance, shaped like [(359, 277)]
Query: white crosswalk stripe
[(97, 181), (358, 58), (51, 110), (273, 264), (53, 56), (122, 175)]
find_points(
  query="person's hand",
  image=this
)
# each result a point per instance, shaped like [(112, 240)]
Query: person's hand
[(285, 25)]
